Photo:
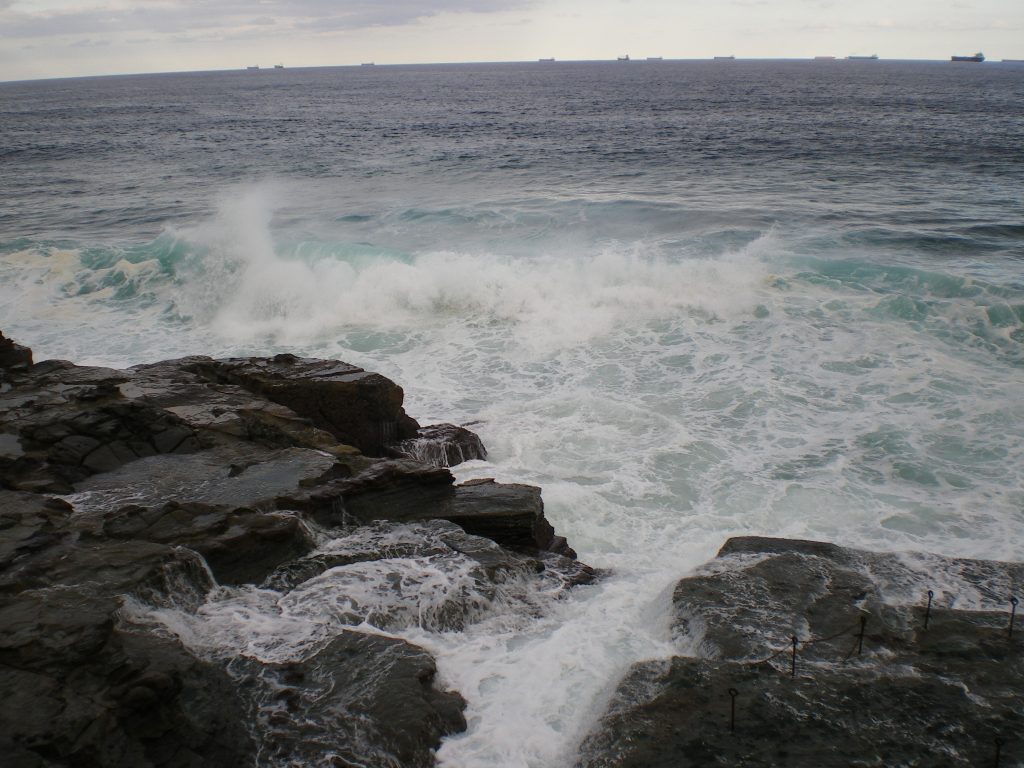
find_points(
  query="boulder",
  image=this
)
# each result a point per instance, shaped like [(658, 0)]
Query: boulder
[(43, 545), (512, 515), (442, 445)]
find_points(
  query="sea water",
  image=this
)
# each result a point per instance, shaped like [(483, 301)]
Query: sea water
[(690, 300)]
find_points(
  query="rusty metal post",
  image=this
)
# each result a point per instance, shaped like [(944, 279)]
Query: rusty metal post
[(860, 637), (793, 666), (733, 693), (1013, 614), (928, 610)]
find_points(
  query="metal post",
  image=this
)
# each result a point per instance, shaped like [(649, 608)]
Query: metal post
[(733, 693), (1013, 614), (860, 637), (999, 749), (928, 610), (793, 667)]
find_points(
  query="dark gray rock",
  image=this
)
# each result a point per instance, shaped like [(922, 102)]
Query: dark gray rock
[(70, 423), (223, 412), (239, 545), (41, 546), (182, 476), (389, 489), (512, 515), (385, 540), (79, 688), (358, 407), (442, 445), (13, 357), (237, 475), (404, 490), (363, 700), (914, 696), (79, 691), (29, 524)]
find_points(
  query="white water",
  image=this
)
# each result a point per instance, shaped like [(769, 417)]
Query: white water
[(663, 403)]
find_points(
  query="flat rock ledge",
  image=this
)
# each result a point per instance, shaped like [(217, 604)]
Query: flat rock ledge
[(153, 486), (921, 685)]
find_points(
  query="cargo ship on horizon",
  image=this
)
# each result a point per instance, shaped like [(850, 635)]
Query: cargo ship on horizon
[(978, 57)]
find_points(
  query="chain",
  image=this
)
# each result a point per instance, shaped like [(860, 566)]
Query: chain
[(812, 641)]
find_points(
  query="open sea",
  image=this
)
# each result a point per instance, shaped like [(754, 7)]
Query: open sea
[(688, 299)]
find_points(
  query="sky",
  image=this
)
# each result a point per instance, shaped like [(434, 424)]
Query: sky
[(66, 38)]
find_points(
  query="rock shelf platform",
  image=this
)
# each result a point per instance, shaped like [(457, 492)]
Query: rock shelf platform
[(938, 686)]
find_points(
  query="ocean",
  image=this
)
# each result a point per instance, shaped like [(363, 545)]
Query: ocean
[(689, 300)]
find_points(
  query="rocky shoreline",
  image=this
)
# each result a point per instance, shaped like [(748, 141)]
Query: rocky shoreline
[(154, 485), (127, 494)]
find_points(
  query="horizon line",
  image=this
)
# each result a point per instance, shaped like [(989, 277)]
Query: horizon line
[(550, 60)]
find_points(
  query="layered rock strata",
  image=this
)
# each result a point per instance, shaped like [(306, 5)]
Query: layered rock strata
[(148, 489), (929, 681)]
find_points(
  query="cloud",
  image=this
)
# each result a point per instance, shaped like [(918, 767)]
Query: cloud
[(183, 16), (87, 43)]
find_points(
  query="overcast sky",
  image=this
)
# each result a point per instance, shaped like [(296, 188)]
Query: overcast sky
[(55, 38)]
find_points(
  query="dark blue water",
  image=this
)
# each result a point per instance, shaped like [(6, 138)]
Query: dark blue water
[(689, 299)]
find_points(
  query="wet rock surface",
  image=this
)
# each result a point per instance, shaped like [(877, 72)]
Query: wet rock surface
[(949, 694), (442, 445), (362, 699), (134, 500)]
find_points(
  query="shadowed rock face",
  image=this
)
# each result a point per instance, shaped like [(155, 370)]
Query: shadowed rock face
[(80, 688), (186, 475), (913, 696), (80, 691), (13, 357)]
